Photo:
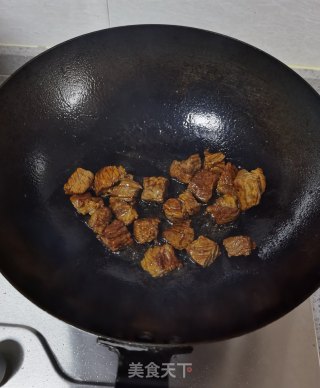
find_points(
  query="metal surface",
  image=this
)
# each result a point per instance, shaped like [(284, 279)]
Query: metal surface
[(77, 353), (282, 354), (36, 367), (49, 353)]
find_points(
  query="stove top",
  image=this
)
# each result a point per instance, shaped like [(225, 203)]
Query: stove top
[(42, 351)]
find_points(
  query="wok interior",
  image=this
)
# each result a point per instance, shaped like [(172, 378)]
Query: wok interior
[(141, 99)]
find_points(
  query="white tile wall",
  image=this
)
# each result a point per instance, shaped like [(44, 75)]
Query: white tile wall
[(48, 22), (287, 29)]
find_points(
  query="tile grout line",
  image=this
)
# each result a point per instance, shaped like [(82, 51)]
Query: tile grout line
[(14, 45), (108, 13), (304, 67)]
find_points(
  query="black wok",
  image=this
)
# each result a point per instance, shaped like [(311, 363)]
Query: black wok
[(143, 96)]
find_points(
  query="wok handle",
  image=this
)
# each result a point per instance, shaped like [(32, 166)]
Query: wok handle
[(144, 367)]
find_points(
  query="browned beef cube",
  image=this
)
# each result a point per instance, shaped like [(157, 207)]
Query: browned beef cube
[(86, 203), (225, 209), (123, 210), (249, 186), (203, 251), (106, 177), (179, 235), (190, 203), (116, 236), (100, 219), (154, 189), (202, 184), (146, 229), (226, 180), (174, 209), (160, 260), (79, 182), (184, 170), (239, 245), (126, 190), (214, 161)]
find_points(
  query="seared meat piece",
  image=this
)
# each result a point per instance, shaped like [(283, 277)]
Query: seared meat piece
[(127, 189), (146, 229), (179, 235), (218, 168), (202, 184), (123, 210), (79, 182), (174, 209), (249, 186), (227, 177), (116, 236), (262, 179), (225, 209), (100, 219), (86, 203), (239, 245), (160, 260), (203, 251), (184, 170), (213, 162), (107, 177), (154, 189), (190, 203)]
